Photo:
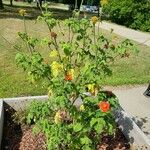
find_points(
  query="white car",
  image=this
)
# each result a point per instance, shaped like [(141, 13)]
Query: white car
[(88, 8)]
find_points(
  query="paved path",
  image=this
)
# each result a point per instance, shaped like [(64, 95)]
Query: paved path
[(137, 36), (136, 105)]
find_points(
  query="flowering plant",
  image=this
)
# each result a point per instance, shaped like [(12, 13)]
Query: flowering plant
[(75, 68)]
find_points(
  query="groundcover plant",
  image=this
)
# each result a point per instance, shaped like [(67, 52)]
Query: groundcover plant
[(78, 61)]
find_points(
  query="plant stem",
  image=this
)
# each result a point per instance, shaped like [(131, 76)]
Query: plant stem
[(84, 38), (57, 48), (94, 34), (72, 37), (25, 30), (69, 34)]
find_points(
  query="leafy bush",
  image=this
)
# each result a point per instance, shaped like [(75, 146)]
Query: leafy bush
[(77, 63), (131, 13)]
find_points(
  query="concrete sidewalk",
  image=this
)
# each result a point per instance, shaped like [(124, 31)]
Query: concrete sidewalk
[(123, 31), (136, 105)]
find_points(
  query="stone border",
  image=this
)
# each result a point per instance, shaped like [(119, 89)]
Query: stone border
[(131, 131), (18, 103), (1, 120)]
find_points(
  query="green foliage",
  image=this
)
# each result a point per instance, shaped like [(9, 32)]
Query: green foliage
[(131, 13), (76, 65), (34, 65)]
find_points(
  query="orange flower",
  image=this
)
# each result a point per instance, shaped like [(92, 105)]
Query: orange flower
[(68, 77), (54, 35), (104, 106)]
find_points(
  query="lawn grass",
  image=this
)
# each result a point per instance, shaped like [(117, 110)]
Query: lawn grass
[(13, 82)]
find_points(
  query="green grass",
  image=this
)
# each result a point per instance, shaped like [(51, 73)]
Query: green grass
[(13, 82)]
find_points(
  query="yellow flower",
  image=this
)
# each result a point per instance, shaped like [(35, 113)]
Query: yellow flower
[(91, 88), (71, 72), (50, 92), (94, 20), (53, 53), (57, 118), (22, 12), (104, 2), (82, 108), (56, 67)]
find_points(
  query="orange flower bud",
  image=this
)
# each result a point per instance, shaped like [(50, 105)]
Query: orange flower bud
[(94, 20), (54, 35), (109, 93)]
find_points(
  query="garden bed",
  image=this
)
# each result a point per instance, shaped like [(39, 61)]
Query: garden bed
[(22, 135), (24, 139)]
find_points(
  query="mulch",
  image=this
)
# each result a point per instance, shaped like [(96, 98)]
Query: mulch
[(17, 137)]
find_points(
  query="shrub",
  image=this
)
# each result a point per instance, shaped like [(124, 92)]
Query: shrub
[(131, 13), (77, 63)]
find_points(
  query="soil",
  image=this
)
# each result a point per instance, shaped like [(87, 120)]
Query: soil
[(19, 137)]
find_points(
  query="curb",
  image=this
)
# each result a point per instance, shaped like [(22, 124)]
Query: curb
[(1, 120), (131, 131)]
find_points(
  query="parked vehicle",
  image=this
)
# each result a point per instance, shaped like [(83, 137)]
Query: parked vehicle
[(89, 8)]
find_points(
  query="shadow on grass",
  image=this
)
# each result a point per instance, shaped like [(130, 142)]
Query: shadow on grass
[(32, 12)]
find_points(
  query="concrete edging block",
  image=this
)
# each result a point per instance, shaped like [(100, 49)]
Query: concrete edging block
[(131, 131), (18, 103), (1, 120)]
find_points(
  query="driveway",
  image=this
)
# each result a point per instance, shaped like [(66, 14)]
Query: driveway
[(136, 105)]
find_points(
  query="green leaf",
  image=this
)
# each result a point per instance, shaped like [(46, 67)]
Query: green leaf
[(85, 140), (77, 127), (98, 128), (86, 147), (68, 136), (100, 125), (29, 118), (110, 128), (93, 121), (66, 48)]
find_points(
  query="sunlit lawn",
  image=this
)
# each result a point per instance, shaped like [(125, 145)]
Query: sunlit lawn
[(135, 70)]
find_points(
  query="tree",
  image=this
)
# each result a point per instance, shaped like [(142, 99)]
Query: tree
[(1, 4), (39, 3), (11, 2), (131, 13)]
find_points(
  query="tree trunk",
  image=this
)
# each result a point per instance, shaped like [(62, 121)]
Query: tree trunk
[(39, 3), (1, 4), (11, 2), (98, 10)]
